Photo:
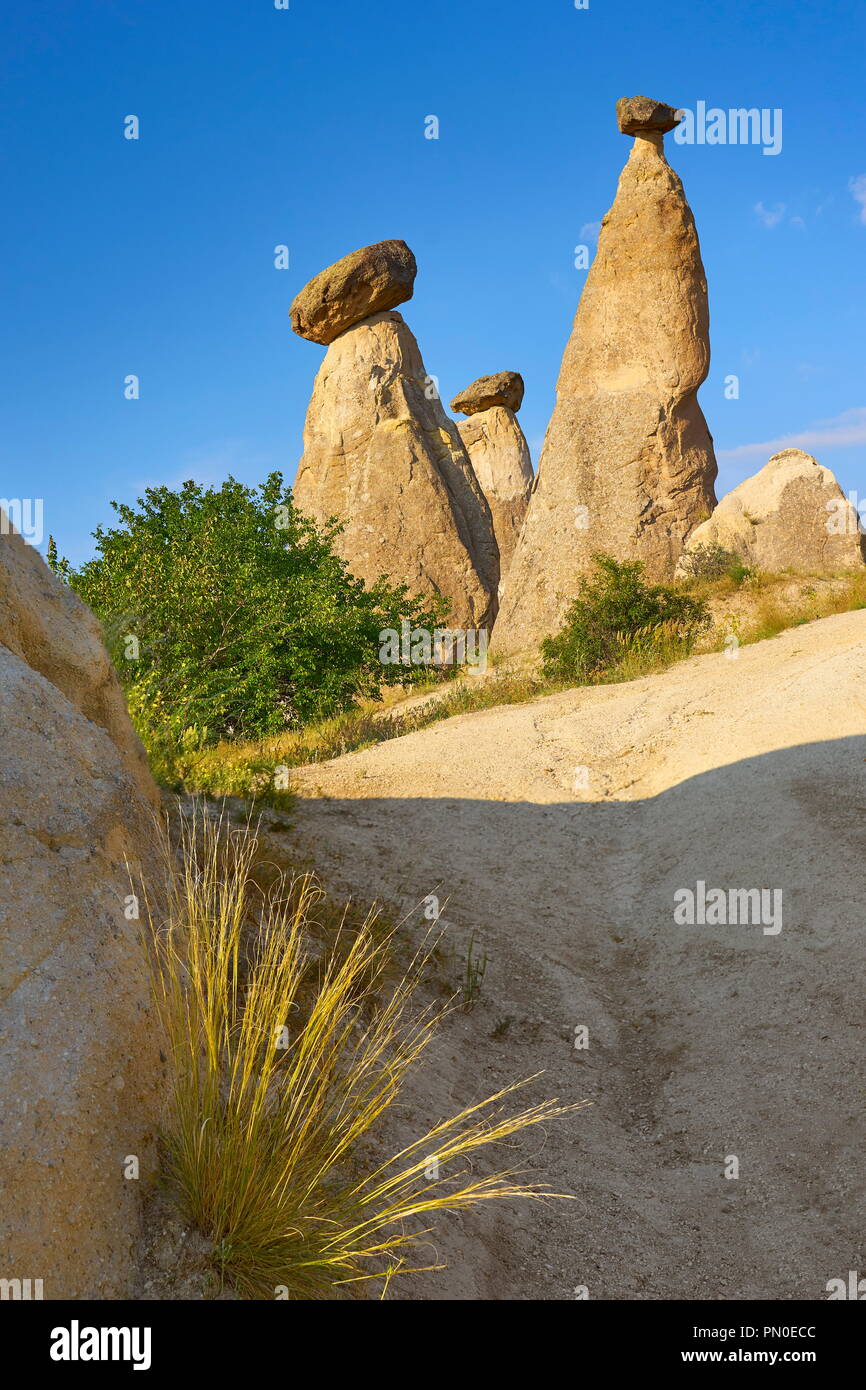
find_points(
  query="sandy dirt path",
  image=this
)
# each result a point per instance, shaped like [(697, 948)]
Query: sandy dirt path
[(705, 1041)]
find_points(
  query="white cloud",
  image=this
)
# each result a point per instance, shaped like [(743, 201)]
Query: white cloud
[(857, 187), (770, 217), (842, 431)]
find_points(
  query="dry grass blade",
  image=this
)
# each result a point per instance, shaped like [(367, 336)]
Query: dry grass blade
[(281, 1074)]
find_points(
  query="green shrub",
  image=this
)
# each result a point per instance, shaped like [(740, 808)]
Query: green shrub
[(712, 561), (617, 613), (245, 622)]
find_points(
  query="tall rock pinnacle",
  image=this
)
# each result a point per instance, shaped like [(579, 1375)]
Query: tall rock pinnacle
[(499, 453), (628, 465), (380, 453)]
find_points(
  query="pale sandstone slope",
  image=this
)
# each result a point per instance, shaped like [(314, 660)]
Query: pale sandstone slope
[(704, 1041)]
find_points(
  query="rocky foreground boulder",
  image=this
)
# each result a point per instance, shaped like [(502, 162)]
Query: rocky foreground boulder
[(381, 455), (79, 1058), (791, 515), (628, 464), (499, 454)]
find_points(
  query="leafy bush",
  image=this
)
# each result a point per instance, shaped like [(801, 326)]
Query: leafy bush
[(617, 613), (712, 561), (228, 614)]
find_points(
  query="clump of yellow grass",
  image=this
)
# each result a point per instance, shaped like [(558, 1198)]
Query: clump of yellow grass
[(282, 1068)]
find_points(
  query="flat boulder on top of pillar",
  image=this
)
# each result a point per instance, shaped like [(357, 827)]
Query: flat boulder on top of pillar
[(503, 388), (365, 282), (643, 116)]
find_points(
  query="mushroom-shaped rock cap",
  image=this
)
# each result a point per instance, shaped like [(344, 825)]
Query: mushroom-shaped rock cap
[(504, 388), (641, 115), (365, 282)]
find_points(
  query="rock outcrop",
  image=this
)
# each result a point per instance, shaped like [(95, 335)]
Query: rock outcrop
[(45, 624), (503, 388), (79, 1054), (381, 455), (499, 454), (627, 466), (365, 282), (790, 516)]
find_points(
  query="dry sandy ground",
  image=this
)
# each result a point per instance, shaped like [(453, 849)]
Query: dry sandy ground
[(704, 1041)]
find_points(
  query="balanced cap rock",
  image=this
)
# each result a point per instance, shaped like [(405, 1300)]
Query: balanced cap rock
[(365, 282), (503, 388), (499, 454), (642, 116), (790, 515), (628, 465), (381, 456)]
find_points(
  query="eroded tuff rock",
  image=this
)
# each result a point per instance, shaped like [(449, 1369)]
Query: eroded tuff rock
[(365, 282), (500, 457), (628, 464), (79, 1057), (381, 455), (503, 388), (791, 515), (45, 624)]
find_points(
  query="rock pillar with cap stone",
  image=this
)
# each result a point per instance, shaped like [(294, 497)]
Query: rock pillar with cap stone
[(628, 466), (380, 454), (498, 452)]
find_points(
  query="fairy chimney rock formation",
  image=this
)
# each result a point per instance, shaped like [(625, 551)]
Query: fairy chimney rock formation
[(499, 453), (627, 466), (381, 455), (791, 515)]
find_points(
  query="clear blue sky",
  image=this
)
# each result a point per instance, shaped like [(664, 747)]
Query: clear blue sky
[(306, 127)]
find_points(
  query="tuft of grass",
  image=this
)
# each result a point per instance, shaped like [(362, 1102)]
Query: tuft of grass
[(779, 602), (282, 1071)]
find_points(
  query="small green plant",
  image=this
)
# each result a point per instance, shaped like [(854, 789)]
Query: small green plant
[(617, 614), (473, 976), (711, 561), (282, 1068)]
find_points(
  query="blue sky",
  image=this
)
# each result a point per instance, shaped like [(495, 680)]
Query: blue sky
[(306, 127)]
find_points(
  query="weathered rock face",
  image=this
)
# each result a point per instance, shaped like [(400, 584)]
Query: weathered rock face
[(79, 1054), (365, 282), (628, 464), (791, 515), (499, 455), (45, 624), (642, 115), (503, 388), (381, 455)]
